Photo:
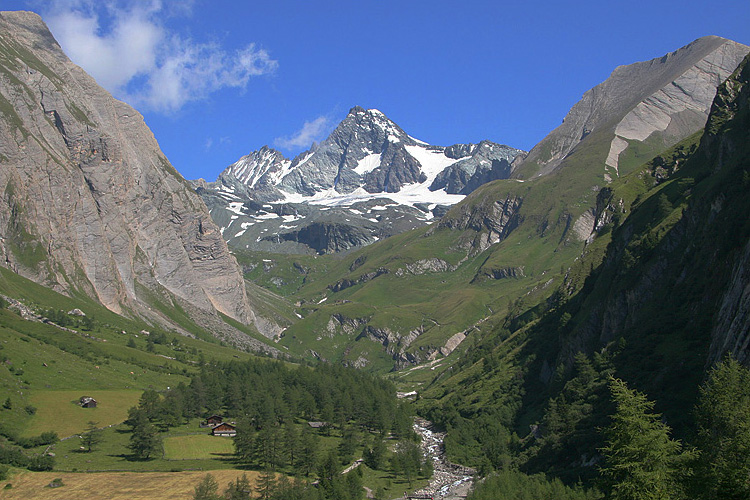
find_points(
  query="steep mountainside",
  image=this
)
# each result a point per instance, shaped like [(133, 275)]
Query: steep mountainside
[(90, 205), (366, 181), (657, 298), (640, 110), (506, 247)]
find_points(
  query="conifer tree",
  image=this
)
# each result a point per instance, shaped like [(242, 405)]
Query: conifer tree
[(238, 489), (308, 453), (641, 461), (723, 418), (265, 485), (207, 489), (92, 436)]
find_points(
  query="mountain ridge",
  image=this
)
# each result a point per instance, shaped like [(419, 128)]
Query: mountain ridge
[(367, 161), (90, 203), (638, 100), (507, 244)]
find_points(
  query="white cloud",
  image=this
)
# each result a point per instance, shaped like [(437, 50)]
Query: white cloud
[(126, 47), (310, 132), (210, 143)]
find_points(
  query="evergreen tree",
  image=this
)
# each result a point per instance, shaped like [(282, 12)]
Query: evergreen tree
[(353, 485), (328, 471), (407, 461), (723, 417), (245, 441), (150, 404), (145, 440), (641, 461), (238, 489), (347, 446), (207, 489), (265, 485), (308, 453), (375, 457), (92, 436), (290, 443)]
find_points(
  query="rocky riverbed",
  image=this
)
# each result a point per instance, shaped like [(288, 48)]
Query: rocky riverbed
[(450, 481)]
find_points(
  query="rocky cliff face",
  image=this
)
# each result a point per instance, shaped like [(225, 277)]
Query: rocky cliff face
[(656, 102), (89, 202), (367, 161), (678, 270)]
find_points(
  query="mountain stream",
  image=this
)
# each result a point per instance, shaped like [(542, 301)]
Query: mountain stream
[(450, 481)]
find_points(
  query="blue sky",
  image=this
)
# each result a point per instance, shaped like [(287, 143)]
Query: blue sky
[(217, 79)]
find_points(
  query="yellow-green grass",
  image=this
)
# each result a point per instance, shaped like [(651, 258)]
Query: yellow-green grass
[(114, 485), (199, 446), (58, 410)]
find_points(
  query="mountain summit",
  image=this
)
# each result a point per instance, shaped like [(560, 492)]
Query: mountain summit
[(366, 158)]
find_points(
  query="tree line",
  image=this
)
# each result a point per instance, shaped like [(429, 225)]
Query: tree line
[(271, 403)]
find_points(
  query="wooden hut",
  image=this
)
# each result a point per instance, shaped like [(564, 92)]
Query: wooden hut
[(224, 429)]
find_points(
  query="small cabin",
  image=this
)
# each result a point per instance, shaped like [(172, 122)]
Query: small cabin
[(212, 421), (87, 402), (224, 429)]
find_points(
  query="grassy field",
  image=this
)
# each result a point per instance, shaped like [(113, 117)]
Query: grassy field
[(58, 410), (114, 485), (199, 446)]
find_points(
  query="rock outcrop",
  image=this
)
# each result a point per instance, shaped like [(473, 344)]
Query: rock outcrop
[(89, 202)]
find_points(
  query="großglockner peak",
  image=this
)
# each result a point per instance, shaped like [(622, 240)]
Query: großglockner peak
[(368, 180)]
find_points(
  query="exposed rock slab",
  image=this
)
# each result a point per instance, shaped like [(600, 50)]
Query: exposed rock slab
[(90, 204)]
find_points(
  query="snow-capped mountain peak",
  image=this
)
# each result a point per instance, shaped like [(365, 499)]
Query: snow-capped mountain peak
[(251, 169), (365, 159)]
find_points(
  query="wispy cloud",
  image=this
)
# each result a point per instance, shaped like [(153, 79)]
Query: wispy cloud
[(210, 143), (309, 133), (128, 49)]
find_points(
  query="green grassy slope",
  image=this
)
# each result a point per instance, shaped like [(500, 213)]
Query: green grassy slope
[(111, 353), (389, 287)]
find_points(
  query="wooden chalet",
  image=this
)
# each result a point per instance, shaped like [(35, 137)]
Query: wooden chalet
[(317, 425), (212, 421), (87, 402), (224, 429)]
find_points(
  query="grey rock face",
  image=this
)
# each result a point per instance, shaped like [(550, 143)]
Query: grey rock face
[(663, 100), (254, 175), (89, 202), (483, 163), (334, 162), (490, 221), (701, 267)]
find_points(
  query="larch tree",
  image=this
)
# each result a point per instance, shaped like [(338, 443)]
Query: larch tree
[(642, 462)]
